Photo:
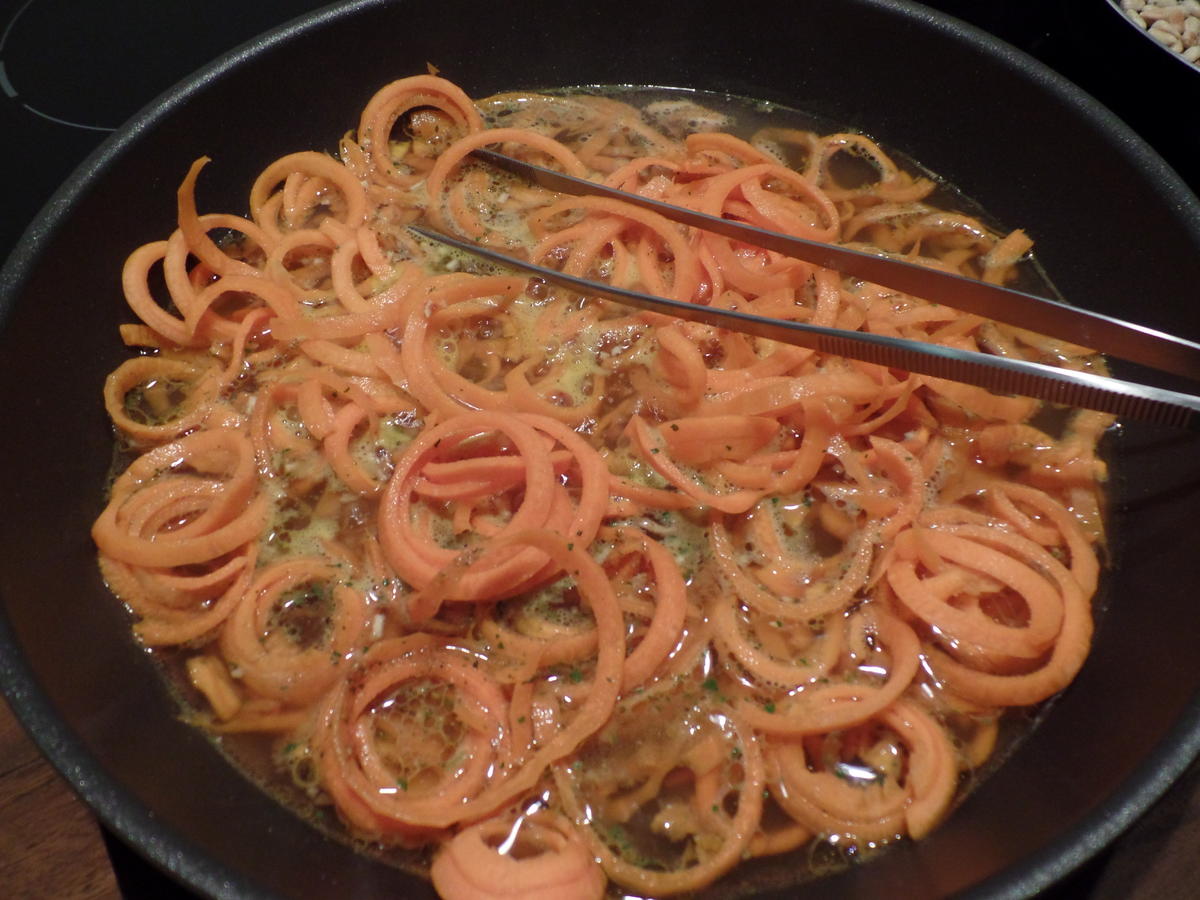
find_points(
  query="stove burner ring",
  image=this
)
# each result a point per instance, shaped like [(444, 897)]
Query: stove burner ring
[(10, 90)]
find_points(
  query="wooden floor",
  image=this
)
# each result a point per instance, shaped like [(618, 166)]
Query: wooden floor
[(50, 845)]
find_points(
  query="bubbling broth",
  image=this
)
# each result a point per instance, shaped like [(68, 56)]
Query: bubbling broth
[(490, 578)]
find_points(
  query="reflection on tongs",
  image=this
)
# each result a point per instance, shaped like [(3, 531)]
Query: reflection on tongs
[(1067, 387)]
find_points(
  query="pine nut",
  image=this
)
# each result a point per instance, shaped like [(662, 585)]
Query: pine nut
[(1175, 24)]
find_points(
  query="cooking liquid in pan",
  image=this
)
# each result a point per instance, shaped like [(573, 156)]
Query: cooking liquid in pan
[(695, 695)]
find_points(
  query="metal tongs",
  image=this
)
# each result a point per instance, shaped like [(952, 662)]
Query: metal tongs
[(1104, 334)]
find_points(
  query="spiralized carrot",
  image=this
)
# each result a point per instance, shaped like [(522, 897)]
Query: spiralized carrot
[(270, 664), (576, 594), (481, 863), (155, 416)]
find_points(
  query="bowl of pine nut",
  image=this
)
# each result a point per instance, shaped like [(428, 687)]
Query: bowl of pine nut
[(1173, 24)]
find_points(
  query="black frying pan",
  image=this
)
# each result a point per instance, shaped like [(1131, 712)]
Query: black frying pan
[(1114, 226)]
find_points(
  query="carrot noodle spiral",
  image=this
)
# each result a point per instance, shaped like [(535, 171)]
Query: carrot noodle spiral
[(579, 596)]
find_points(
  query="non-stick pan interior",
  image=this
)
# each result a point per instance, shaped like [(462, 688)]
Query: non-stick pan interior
[(1114, 227)]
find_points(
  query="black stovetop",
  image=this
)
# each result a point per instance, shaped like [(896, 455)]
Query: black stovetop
[(71, 71)]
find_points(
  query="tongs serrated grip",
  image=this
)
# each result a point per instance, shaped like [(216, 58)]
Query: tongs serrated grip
[(996, 373), (1068, 387), (1105, 334)]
